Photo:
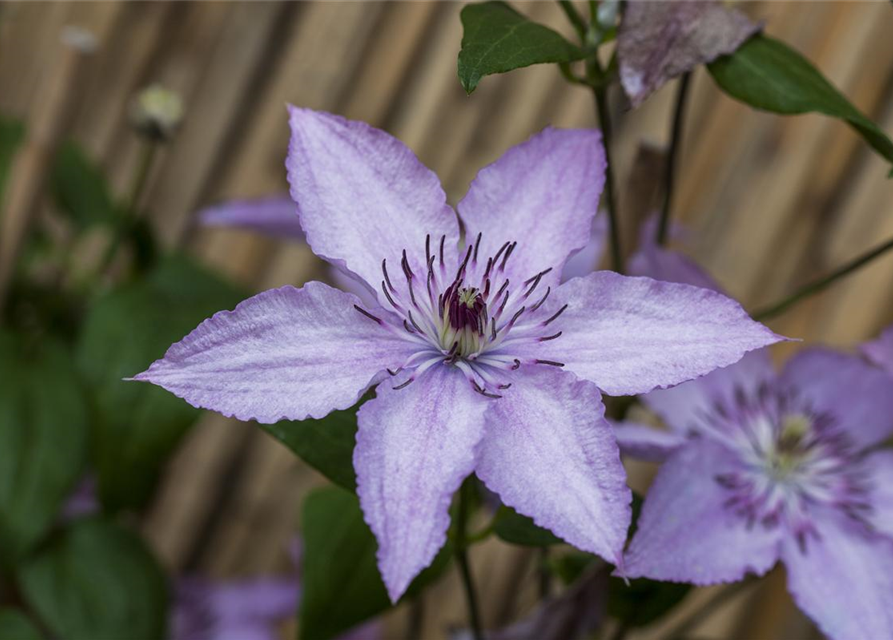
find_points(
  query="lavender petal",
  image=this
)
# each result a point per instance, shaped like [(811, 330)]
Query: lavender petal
[(362, 195), (542, 194), (285, 353), (686, 531), (632, 335), (550, 454), (414, 447)]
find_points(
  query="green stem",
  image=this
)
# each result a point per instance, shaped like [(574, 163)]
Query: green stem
[(670, 170), (708, 608), (461, 547), (574, 17), (137, 186), (604, 117), (822, 283)]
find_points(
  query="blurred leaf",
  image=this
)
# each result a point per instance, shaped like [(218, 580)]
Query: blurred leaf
[(12, 132), (15, 625), (43, 438), (767, 74), (326, 445), (97, 581), (138, 424), (643, 601), (497, 39), (570, 566), (512, 527), (80, 189), (342, 586)]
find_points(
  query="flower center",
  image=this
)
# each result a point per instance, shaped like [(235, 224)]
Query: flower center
[(474, 319), (793, 458)]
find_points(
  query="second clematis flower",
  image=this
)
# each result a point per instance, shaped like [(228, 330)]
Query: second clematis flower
[(484, 362), (761, 467)]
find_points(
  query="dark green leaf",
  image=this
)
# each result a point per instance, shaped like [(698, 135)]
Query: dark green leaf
[(643, 601), (12, 132), (80, 188), (138, 424), (15, 625), (512, 527), (97, 581), (326, 444), (44, 430), (342, 587), (767, 74), (497, 39), (570, 566)]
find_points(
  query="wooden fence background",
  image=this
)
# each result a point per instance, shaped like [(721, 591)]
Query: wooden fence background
[(770, 202)]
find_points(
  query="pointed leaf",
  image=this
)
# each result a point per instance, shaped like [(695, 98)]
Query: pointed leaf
[(497, 39), (767, 74), (514, 528), (96, 580), (342, 586), (44, 430), (15, 625), (138, 425), (80, 189), (326, 444)]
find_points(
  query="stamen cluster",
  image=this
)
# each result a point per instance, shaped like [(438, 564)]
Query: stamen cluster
[(793, 458), (474, 319)]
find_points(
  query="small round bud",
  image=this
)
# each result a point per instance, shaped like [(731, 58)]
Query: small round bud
[(156, 113)]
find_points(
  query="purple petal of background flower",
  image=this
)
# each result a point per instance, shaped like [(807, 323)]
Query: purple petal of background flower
[(859, 396), (631, 335), (880, 350), (682, 406), (686, 532), (550, 454), (285, 353), (658, 41), (243, 610), (543, 194), (363, 196), (844, 581), (879, 465), (645, 442), (275, 216), (414, 448), (587, 259)]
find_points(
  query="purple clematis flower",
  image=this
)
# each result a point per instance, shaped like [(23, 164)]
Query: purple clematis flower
[(762, 467), (487, 363), (880, 350)]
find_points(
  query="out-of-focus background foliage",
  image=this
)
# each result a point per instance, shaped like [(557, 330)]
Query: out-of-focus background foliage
[(769, 202)]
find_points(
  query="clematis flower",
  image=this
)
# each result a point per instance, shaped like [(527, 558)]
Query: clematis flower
[(484, 362), (880, 350), (763, 467), (658, 41)]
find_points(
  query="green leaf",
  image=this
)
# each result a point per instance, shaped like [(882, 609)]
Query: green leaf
[(643, 601), (12, 132), (342, 586), (767, 74), (326, 445), (512, 527), (80, 189), (95, 581), (44, 429), (496, 39), (138, 424), (15, 625)]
